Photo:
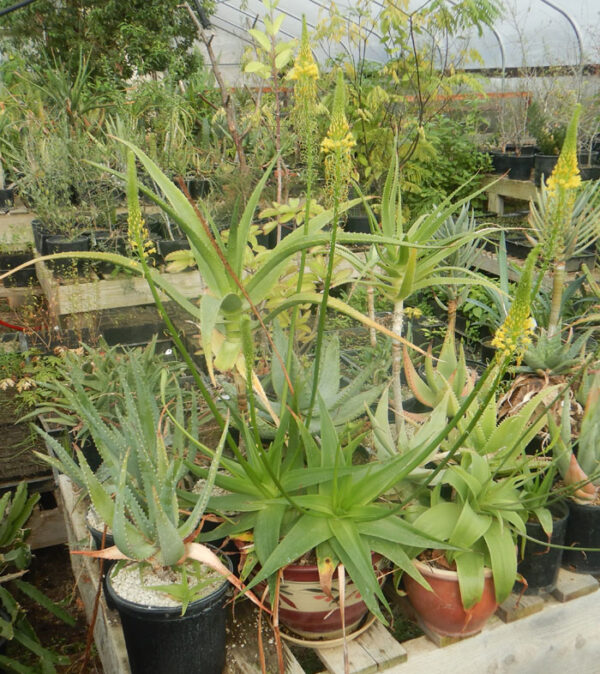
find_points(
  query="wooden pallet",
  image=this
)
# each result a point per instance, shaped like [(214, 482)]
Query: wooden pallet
[(100, 294), (549, 634)]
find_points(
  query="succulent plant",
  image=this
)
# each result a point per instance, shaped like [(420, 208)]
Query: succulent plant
[(135, 492), (450, 374), (344, 404), (553, 355)]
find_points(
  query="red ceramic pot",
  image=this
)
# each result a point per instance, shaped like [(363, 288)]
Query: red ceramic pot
[(305, 609), (442, 610)]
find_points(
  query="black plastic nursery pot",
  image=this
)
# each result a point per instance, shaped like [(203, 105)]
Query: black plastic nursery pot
[(105, 241), (540, 563), (517, 167), (358, 224), (583, 531), (7, 199), (590, 172), (64, 244), (21, 278), (166, 246), (40, 234), (162, 641), (543, 167)]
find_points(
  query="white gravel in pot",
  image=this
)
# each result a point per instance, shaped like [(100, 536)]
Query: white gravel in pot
[(132, 581)]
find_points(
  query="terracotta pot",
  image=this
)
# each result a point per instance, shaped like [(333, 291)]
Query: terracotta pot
[(442, 610), (305, 610)]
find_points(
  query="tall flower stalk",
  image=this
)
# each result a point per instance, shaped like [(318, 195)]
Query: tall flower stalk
[(560, 193), (304, 74), (337, 150)]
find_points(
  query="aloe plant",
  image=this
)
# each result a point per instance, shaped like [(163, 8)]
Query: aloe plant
[(554, 355), (480, 521), (303, 493), (450, 374), (407, 257), (144, 452), (99, 371), (344, 404)]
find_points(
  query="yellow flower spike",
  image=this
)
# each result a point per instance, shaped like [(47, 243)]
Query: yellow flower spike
[(566, 172), (514, 336), (305, 74), (337, 145), (137, 232), (561, 190)]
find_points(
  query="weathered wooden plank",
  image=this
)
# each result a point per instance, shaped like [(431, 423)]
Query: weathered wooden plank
[(524, 190), (375, 650), (553, 641), (108, 634), (572, 585), (516, 607), (47, 528), (382, 647), (100, 294), (360, 661)]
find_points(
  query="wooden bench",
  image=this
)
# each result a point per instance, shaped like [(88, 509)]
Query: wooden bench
[(498, 188)]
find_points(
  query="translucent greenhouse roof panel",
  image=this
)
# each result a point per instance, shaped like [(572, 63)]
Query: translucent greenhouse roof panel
[(538, 33), (235, 18), (530, 33)]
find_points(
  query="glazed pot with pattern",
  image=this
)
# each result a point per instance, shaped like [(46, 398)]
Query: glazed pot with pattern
[(307, 611)]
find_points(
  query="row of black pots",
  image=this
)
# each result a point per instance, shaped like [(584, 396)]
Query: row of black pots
[(48, 243), (100, 240), (520, 166)]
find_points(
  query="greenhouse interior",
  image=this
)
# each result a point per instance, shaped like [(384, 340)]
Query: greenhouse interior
[(299, 336)]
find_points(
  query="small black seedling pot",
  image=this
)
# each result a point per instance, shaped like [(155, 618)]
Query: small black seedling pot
[(540, 564), (583, 531)]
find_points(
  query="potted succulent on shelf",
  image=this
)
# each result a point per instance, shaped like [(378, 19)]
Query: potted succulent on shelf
[(479, 520), (167, 588), (311, 513)]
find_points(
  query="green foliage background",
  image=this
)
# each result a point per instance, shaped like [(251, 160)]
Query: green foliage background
[(119, 37)]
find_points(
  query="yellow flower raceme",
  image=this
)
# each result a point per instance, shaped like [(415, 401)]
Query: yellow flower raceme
[(514, 336), (565, 175), (139, 234), (304, 116), (337, 146), (561, 189), (304, 70), (331, 145)]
